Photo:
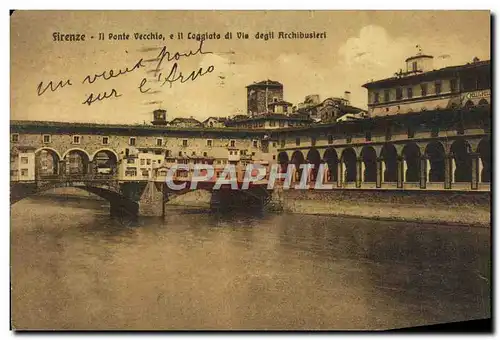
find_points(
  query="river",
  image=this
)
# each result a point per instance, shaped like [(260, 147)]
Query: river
[(73, 267)]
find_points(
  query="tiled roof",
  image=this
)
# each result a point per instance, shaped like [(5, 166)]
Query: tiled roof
[(267, 82)]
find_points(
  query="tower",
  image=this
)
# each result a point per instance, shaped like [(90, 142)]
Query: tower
[(159, 117), (261, 94)]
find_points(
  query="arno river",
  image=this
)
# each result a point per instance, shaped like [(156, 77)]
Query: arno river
[(73, 267)]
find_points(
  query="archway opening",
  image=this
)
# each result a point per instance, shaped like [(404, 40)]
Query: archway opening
[(314, 158), (105, 163), (283, 161), (435, 153), (411, 155), (297, 160), (390, 157), (484, 150), (77, 163), (460, 150), (46, 163), (332, 160), (349, 160), (369, 157)]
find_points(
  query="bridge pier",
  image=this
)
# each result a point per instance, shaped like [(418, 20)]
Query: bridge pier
[(152, 200)]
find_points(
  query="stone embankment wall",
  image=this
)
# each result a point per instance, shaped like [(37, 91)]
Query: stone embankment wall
[(444, 207)]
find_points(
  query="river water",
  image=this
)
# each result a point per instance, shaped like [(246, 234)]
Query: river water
[(73, 267)]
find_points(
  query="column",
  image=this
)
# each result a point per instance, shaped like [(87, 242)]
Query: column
[(62, 168), (359, 172), (400, 164), (480, 169), (423, 172), (340, 173), (475, 171), (447, 171), (380, 172), (453, 166)]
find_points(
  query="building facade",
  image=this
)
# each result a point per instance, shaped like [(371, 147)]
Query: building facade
[(421, 88)]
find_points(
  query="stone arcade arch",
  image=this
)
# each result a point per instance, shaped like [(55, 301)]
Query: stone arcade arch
[(283, 161), (390, 159), (460, 151), (77, 162), (369, 157), (314, 158), (436, 160), (105, 162), (411, 156), (297, 160), (349, 162), (332, 160), (46, 162)]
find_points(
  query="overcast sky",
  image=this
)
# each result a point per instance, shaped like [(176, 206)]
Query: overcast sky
[(360, 46)]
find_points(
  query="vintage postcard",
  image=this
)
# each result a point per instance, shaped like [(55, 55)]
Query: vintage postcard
[(250, 170)]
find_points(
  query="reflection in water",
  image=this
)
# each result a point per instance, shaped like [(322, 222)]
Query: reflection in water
[(75, 268)]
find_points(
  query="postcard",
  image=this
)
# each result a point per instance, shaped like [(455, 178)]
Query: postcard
[(250, 170)]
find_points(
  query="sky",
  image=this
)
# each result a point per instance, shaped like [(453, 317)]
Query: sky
[(359, 46)]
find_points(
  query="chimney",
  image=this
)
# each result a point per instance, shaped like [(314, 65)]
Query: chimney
[(347, 96)]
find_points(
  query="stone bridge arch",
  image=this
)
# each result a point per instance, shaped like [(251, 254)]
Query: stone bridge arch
[(120, 204)]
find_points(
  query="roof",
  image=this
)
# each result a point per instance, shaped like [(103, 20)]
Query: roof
[(219, 119), (281, 102), (268, 82), (185, 120), (429, 74), (272, 116), (418, 56)]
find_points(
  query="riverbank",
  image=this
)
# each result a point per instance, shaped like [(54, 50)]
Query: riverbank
[(453, 208)]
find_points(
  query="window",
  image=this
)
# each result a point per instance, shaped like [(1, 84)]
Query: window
[(184, 142), (272, 123), (24, 172), (348, 139), (399, 93), (275, 99), (330, 139), (168, 153), (209, 143), (143, 161), (205, 154), (388, 133), (297, 141), (409, 92), (131, 172), (131, 141), (253, 153), (274, 144), (437, 87), (414, 66), (76, 139), (255, 144), (453, 85), (180, 153), (130, 160), (423, 88), (14, 137), (375, 97), (145, 173), (24, 160), (159, 141), (411, 132), (368, 136), (105, 140), (386, 95), (157, 152), (261, 123), (283, 142), (313, 141), (47, 139), (232, 143), (148, 161), (281, 123)]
